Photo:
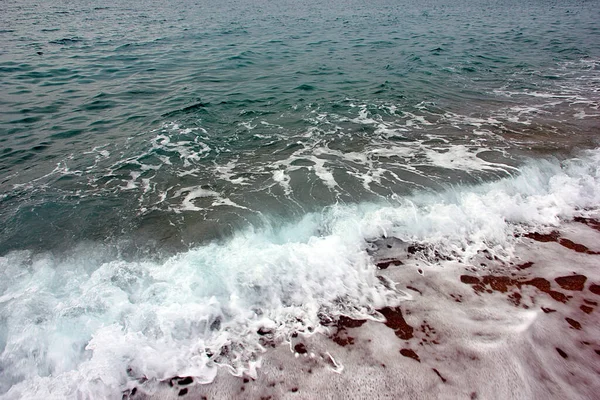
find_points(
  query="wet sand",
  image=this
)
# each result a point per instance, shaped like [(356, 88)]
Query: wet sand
[(523, 329)]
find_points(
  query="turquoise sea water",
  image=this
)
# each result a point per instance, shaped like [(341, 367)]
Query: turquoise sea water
[(129, 104), (228, 142)]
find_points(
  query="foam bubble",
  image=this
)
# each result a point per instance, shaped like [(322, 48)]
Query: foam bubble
[(96, 326), (283, 179), (462, 158), (192, 194), (90, 324)]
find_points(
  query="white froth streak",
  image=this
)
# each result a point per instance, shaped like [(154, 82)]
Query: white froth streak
[(466, 220), (460, 157), (73, 327), (226, 172), (324, 173), (155, 319), (193, 193), (197, 192), (283, 179)]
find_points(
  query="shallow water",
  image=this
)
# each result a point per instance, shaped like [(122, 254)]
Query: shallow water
[(175, 177)]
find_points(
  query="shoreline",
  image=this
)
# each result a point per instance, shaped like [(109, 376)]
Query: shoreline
[(526, 330)]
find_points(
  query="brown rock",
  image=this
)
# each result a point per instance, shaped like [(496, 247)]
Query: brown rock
[(558, 296), (515, 298), (498, 283), (562, 353), (503, 283), (342, 338), (410, 354), (348, 322), (541, 237), (383, 264), (416, 248), (188, 380), (571, 282), (574, 324), (592, 223), (395, 320), (300, 348), (575, 246), (469, 280), (525, 265), (440, 375), (586, 309), (540, 283)]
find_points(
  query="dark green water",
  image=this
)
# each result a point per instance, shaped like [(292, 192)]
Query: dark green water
[(108, 112), (176, 175)]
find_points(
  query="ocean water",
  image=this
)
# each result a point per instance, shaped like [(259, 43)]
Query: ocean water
[(178, 178)]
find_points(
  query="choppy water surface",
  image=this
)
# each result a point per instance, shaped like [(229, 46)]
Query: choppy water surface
[(156, 154)]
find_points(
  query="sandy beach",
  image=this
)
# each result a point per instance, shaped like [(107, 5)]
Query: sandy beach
[(523, 330)]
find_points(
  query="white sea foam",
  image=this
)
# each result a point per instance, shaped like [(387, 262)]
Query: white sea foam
[(226, 172), (462, 158), (283, 179), (89, 325), (193, 193), (92, 322), (471, 345), (131, 184), (402, 145)]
